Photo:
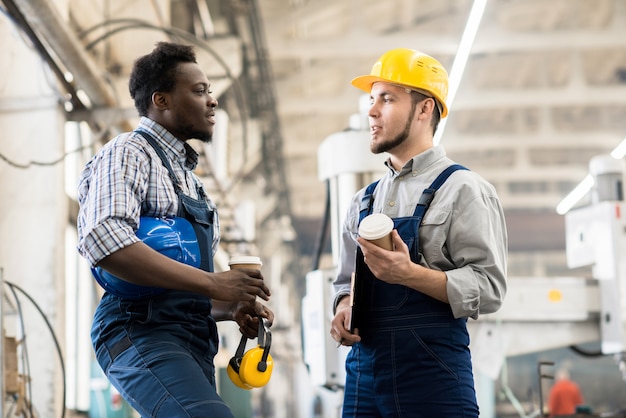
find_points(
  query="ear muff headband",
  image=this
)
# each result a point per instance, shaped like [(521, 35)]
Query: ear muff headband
[(234, 365), (254, 368)]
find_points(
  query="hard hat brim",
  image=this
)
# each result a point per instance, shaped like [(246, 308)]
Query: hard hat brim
[(365, 83)]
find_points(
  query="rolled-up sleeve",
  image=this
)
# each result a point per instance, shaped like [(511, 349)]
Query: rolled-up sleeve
[(477, 244), (106, 238), (110, 193)]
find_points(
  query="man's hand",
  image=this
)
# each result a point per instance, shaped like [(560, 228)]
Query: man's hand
[(389, 266), (247, 314), (140, 264), (238, 285), (396, 267), (340, 325)]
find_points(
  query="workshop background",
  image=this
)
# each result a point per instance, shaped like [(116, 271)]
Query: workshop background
[(538, 93)]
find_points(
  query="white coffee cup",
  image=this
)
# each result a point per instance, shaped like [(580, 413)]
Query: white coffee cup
[(377, 228), (249, 262)]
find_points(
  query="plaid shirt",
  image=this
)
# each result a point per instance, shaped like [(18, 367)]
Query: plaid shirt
[(125, 180)]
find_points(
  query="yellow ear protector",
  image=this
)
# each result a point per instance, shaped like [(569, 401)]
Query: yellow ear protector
[(254, 368)]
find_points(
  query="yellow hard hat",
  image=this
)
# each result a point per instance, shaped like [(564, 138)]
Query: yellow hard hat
[(412, 69)]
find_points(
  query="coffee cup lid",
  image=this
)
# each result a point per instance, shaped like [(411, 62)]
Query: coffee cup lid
[(375, 226), (244, 259)]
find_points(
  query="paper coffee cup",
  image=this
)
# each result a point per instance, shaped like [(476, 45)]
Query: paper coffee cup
[(377, 228), (249, 262)]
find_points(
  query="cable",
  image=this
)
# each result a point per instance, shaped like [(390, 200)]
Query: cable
[(14, 287), (25, 358), (44, 163), (585, 353)]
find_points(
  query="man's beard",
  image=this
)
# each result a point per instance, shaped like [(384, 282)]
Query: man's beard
[(202, 136), (386, 146), (205, 138)]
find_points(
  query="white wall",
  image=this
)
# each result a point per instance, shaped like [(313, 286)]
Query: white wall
[(33, 210)]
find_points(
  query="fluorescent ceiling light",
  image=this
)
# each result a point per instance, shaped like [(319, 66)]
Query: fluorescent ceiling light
[(460, 60), (619, 150), (575, 195), (585, 186)]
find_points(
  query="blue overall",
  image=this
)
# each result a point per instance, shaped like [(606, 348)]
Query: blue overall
[(413, 359), (158, 351)]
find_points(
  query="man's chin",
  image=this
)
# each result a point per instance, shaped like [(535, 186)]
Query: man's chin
[(204, 137), (376, 148)]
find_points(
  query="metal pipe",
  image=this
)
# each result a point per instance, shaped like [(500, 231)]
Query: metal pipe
[(45, 19)]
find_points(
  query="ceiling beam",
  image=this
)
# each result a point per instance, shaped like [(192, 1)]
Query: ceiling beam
[(488, 40)]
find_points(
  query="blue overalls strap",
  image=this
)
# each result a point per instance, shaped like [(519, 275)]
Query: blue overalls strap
[(194, 210), (170, 170), (429, 193), (164, 159), (367, 201)]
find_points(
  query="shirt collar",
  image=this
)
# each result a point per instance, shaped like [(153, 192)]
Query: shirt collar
[(177, 149), (419, 162)]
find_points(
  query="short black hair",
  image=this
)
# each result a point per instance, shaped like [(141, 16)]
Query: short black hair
[(156, 72)]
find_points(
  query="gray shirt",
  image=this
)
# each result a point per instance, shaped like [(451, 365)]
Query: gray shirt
[(462, 234)]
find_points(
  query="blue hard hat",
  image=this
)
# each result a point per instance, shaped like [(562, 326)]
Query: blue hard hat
[(172, 237)]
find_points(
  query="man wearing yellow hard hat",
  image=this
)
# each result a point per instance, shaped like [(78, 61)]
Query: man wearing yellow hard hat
[(410, 352)]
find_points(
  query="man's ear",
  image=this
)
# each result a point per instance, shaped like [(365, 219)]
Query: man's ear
[(425, 108), (160, 100), (428, 105)]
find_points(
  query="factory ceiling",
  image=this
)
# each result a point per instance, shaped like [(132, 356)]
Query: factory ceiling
[(544, 90)]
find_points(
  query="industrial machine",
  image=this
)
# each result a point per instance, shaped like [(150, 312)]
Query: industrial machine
[(538, 314)]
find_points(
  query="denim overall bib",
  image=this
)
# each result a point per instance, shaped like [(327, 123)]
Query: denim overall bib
[(413, 359), (158, 351), (196, 211)]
